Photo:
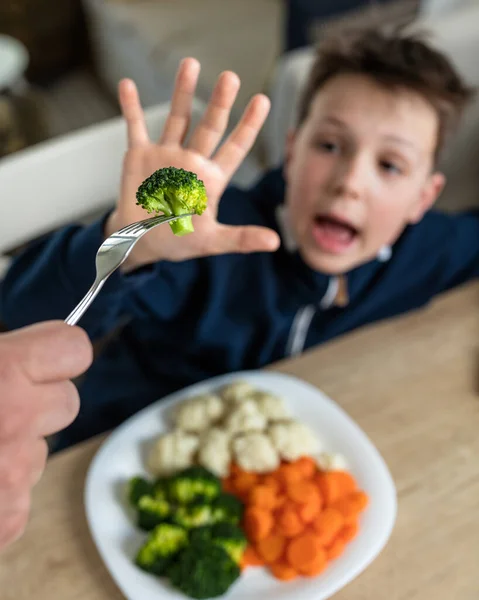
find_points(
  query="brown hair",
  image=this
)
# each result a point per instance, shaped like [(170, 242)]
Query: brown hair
[(394, 60)]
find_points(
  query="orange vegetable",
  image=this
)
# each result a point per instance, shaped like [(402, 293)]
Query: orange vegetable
[(316, 566), (336, 548), (288, 473), (263, 496), (228, 486), (308, 512), (235, 469), (272, 481), (346, 482), (282, 571), (328, 524), (303, 492), (288, 521), (258, 523), (243, 482), (307, 466), (251, 558), (349, 532), (271, 548), (352, 505), (329, 486), (303, 550), (296, 518)]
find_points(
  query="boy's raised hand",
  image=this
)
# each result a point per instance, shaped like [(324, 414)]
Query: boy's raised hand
[(215, 166)]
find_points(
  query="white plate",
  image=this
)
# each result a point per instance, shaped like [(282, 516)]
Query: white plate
[(121, 457)]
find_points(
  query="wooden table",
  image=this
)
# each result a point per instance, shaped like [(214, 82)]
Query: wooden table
[(412, 384)]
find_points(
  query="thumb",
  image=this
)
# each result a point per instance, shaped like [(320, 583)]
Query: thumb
[(245, 239), (50, 351)]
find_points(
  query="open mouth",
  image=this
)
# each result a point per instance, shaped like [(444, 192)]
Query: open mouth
[(334, 234)]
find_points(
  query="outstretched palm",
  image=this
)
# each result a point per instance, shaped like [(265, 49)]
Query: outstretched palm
[(214, 167)]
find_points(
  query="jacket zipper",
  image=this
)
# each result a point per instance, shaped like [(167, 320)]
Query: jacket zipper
[(303, 318)]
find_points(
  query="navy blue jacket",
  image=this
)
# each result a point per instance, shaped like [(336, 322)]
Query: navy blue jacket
[(184, 322)]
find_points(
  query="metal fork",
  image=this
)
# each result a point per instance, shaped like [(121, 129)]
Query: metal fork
[(111, 254)]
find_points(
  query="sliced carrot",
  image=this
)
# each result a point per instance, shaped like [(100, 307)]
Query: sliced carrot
[(272, 481), (235, 469), (258, 523), (308, 512), (251, 558), (288, 521), (316, 566), (271, 548), (244, 482), (302, 550), (288, 474), (352, 506), (281, 499), (329, 486), (282, 571), (262, 496), (347, 483), (302, 492), (336, 548), (327, 525), (228, 486), (349, 532), (307, 466)]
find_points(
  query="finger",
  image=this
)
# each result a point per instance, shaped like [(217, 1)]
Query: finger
[(233, 239), (178, 120), (50, 351), (215, 120), (133, 114), (13, 524), (39, 462), (17, 461), (239, 142), (40, 411)]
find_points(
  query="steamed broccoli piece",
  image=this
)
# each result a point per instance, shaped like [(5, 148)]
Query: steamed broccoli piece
[(192, 515), (227, 508), (193, 484), (173, 192), (152, 512), (160, 488), (162, 545), (225, 535), (203, 570), (137, 488)]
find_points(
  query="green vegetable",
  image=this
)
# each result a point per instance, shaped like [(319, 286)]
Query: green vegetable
[(193, 515), (193, 484), (203, 570), (162, 545), (152, 512), (173, 192), (227, 508), (137, 488), (225, 535), (160, 488)]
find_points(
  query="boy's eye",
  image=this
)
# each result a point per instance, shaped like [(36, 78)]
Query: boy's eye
[(390, 167), (326, 146)]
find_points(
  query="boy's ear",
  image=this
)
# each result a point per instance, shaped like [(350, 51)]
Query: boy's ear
[(429, 195), (288, 151)]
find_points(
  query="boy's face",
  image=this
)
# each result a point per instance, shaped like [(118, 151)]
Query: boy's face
[(358, 170)]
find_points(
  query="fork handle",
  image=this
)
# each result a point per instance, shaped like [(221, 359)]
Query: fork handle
[(82, 306)]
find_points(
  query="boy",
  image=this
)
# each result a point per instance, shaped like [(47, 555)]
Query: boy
[(342, 236)]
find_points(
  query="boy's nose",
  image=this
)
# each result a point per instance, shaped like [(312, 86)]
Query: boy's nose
[(349, 179)]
